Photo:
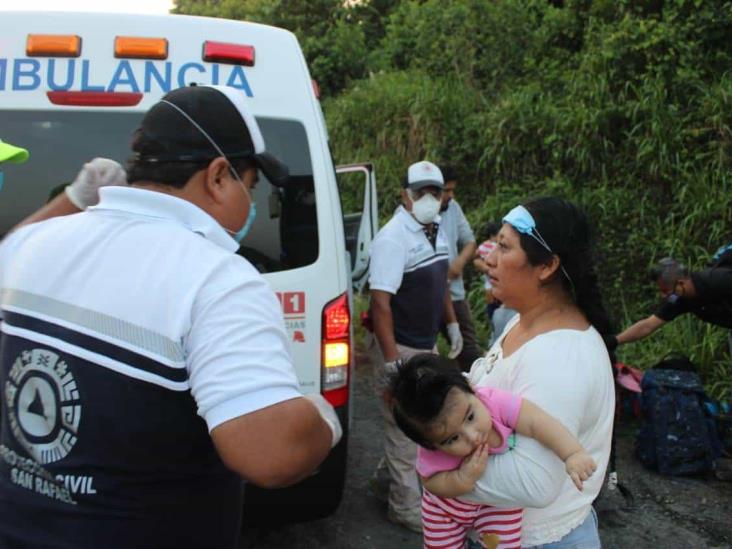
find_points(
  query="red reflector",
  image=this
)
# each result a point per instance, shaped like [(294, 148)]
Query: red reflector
[(337, 397), (221, 52), (316, 88), (336, 319), (94, 99)]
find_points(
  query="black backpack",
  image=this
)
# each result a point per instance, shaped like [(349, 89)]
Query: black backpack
[(676, 436)]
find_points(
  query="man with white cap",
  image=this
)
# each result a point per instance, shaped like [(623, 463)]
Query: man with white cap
[(144, 365), (409, 301)]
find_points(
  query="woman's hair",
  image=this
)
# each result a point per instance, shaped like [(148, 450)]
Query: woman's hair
[(566, 230), (418, 391)]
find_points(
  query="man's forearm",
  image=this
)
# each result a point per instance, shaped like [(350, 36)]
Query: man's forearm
[(60, 205), (458, 264), (449, 310), (383, 323), (640, 329)]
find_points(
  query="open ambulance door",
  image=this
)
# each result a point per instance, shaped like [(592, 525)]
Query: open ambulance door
[(357, 187)]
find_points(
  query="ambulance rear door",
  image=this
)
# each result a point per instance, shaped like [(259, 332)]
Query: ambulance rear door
[(357, 188)]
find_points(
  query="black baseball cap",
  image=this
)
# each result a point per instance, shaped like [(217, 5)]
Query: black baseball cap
[(200, 123)]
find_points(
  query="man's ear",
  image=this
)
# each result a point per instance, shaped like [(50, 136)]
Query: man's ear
[(406, 200), (216, 172)]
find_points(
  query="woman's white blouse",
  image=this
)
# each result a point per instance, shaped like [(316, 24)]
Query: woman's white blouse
[(568, 374)]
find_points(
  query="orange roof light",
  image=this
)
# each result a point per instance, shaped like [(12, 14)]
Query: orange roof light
[(140, 48), (53, 45)]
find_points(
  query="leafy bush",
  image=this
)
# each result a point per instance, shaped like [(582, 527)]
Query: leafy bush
[(621, 107)]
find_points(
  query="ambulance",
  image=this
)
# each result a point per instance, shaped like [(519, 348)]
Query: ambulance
[(74, 86)]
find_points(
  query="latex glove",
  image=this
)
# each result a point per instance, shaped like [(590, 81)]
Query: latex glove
[(100, 172), (456, 339), (328, 414), (392, 367)]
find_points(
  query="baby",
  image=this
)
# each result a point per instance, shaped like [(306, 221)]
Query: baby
[(457, 428)]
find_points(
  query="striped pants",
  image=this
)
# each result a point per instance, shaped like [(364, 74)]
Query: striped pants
[(446, 522)]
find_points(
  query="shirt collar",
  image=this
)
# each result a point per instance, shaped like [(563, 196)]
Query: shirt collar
[(159, 205), (411, 223)]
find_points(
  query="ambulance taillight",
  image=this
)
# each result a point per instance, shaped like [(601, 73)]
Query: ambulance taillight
[(336, 350)]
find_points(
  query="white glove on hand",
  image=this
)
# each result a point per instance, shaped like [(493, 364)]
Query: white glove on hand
[(392, 367), (328, 413), (100, 172), (456, 339)]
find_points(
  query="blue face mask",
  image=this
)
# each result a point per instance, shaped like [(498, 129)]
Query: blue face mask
[(521, 219), (241, 233)]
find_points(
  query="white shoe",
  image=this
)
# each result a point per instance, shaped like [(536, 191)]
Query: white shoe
[(411, 520)]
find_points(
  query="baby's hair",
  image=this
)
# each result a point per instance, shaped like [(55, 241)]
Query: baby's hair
[(418, 391), (490, 229)]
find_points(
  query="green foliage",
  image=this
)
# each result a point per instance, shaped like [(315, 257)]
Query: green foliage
[(335, 36), (622, 107)]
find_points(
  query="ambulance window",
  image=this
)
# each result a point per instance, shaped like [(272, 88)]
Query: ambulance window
[(59, 143), (285, 232)]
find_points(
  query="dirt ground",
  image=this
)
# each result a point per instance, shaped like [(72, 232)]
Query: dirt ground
[(665, 513)]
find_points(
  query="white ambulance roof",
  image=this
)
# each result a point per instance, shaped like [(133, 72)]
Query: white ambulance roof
[(278, 83)]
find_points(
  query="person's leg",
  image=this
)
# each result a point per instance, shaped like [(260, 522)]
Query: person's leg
[(471, 350), (441, 528), (585, 536), (400, 453), (499, 526)]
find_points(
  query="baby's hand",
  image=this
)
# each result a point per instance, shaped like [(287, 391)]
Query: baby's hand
[(580, 467), (472, 467)]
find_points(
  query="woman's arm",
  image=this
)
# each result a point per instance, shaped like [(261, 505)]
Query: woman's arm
[(536, 423), (556, 379)]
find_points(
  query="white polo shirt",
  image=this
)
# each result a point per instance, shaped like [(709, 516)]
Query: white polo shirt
[(458, 233), (121, 325), (405, 264)]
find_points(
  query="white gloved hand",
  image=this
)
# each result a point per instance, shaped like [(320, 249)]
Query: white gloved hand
[(100, 172), (456, 339), (328, 413), (392, 367)]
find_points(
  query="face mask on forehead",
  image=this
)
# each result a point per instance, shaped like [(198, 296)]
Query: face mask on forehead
[(239, 235)]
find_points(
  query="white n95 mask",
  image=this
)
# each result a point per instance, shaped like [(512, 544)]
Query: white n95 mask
[(425, 209)]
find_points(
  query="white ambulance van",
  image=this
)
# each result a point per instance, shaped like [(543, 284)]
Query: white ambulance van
[(74, 86)]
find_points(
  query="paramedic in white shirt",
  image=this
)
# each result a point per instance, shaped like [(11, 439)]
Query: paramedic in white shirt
[(551, 353), (145, 364), (462, 246), (410, 299)]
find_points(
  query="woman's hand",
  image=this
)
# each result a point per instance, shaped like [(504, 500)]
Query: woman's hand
[(580, 467), (473, 466)]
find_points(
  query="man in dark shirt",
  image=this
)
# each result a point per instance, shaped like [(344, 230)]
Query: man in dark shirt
[(706, 293)]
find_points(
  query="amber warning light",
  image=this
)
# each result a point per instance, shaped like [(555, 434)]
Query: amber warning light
[(140, 48), (53, 45)]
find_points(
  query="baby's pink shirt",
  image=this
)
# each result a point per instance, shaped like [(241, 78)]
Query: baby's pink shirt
[(504, 408)]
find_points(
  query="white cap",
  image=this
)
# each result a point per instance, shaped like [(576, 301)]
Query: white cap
[(424, 174)]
